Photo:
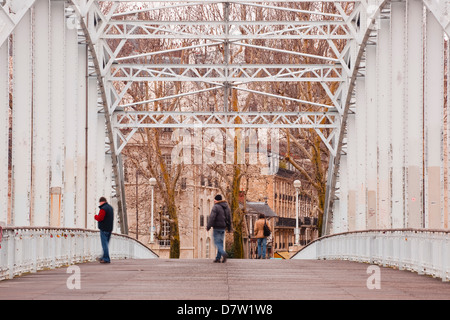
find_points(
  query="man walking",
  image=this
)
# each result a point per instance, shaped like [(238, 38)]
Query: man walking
[(105, 220), (219, 220)]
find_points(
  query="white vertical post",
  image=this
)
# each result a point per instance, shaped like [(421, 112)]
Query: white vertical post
[(21, 126), (4, 131), (384, 123), (371, 139), (100, 143), (414, 111), (41, 115), (447, 222), (351, 171), (57, 110), (341, 220), (80, 212), (398, 11), (434, 106), (108, 177), (360, 117), (92, 200), (71, 122)]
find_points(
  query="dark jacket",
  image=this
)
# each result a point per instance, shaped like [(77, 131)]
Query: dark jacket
[(105, 217), (220, 217)]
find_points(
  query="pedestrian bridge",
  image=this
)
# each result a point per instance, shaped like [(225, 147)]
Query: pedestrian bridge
[(50, 263), (200, 279), (380, 105)]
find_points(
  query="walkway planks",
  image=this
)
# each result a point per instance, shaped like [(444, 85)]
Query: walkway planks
[(162, 279)]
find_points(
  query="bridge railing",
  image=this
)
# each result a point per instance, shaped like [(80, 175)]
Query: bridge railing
[(422, 251), (31, 249)]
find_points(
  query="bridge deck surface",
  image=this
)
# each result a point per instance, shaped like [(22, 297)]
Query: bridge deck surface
[(234, 280)]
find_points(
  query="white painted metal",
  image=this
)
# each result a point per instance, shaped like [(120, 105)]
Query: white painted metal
[(41, 115), (371, 137), (32, 249), (414, 118), (434, 110), (57, 102), (361, 124), (71, 123), (417, 250), (80, 204), (21, 123), (384, 123), (398, 15), (352, 169), (341, 223), (4, 131), (92, 131)]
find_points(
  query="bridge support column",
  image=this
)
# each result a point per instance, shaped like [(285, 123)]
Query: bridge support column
[(414, 115), (22, 122), (372, 137), (398, 12), (57, 110), (341, 222), (80, 202), (92, 113), (71, 122), (351, 171), (434, 107), (4, 131), (360, 118), (384, 123), (41, 115)]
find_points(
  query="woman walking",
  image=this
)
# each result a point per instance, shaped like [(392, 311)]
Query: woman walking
[(261, 235)]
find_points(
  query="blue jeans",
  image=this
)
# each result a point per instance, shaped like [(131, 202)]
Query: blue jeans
[(104, 237), (219, 235), (262, 242)]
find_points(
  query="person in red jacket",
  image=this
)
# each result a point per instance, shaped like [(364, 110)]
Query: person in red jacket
[(105, 220)]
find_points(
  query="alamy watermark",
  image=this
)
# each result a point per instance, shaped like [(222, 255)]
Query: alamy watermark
[(374, 280), (232, 146), (74, 280)]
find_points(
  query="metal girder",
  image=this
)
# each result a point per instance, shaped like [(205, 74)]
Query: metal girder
[(238, 30), (136, 120), (218, 73), (149, 119)]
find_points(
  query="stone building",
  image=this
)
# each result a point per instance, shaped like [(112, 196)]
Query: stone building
[(278, 192), (195, 191)]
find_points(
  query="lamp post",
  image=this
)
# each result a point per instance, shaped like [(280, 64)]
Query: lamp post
[(297, 185), (152, 182)]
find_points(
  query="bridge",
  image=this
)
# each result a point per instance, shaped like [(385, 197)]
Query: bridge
[(382, 114)]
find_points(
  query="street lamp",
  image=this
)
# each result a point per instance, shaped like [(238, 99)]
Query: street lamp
[(152, 182), (297, 185)]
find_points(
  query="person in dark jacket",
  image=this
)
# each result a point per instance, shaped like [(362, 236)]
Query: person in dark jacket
[(219, 220), (105, 220)]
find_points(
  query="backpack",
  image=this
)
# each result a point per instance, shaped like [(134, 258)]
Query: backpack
[(266, 230)]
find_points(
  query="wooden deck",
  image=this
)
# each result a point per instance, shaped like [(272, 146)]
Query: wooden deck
[(162, 279)]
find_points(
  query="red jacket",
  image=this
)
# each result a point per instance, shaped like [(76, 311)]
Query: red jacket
[(100, 216)]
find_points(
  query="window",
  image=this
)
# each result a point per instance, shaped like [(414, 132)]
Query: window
[(207, 247), (183, 183), (168, 160), (202, 180), (165, 231)]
